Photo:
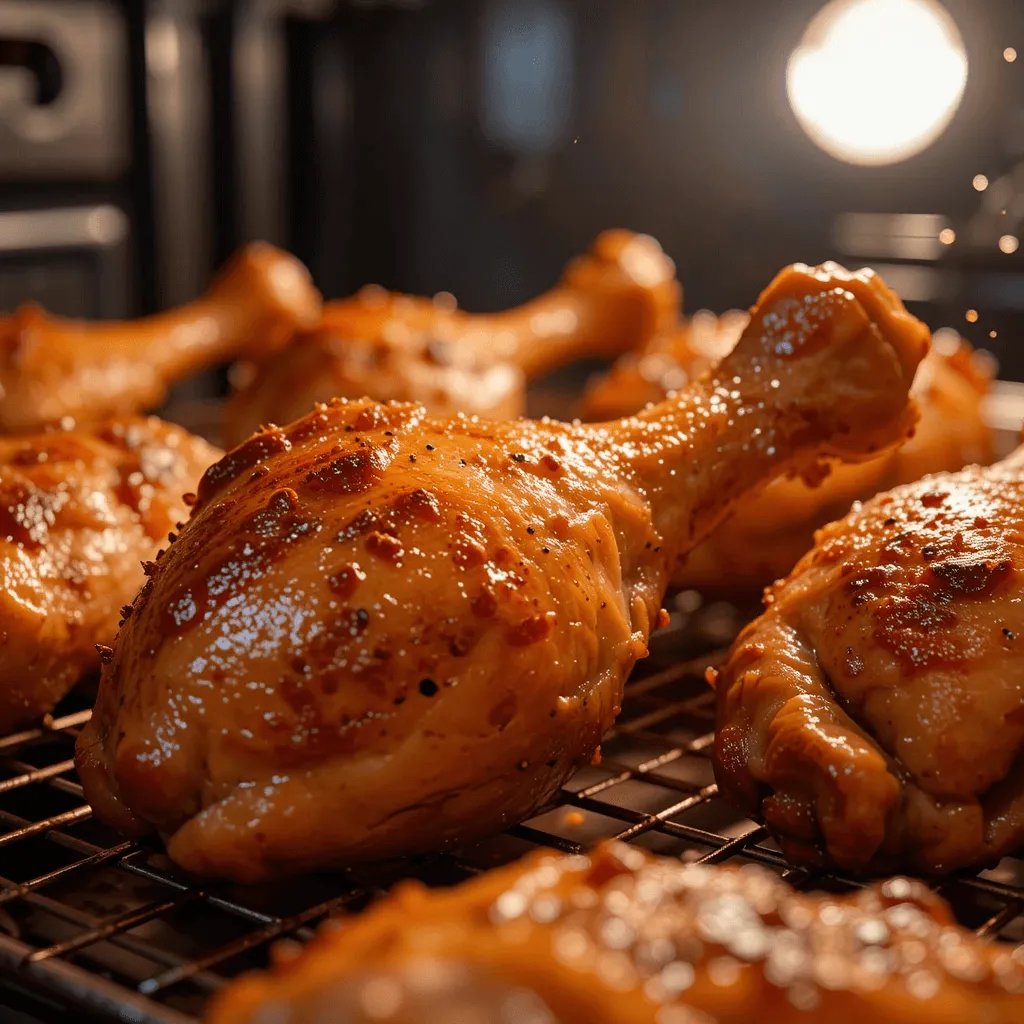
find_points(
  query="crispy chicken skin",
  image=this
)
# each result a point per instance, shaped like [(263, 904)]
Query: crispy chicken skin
[(621, 937), (383, 632), (51, 367), (401, 348), (765, 536), (79, 511), (873, 716)]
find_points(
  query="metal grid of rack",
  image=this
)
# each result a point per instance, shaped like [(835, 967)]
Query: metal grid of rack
[(111, 928)]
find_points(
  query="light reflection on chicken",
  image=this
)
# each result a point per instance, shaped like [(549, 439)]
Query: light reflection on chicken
[(620, 937), (765, 536), (52, 368), (398, 347), (383, 632), (873, 716), (80, 510)]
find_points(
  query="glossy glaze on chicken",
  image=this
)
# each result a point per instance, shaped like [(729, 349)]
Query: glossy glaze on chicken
[(764, 538), (80, 510), (620, 937), (383, 632), (399, 347), (873, 716), (51, 367)]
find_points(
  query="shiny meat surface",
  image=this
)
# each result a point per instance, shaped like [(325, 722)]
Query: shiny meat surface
[(620, 937), (80, 510), (764, 537), (383, 632), (874, 715), (51, 367), (401, 348)]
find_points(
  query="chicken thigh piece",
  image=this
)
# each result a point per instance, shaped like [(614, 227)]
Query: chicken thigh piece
[(80, 510), (873, 716), (51, 368), (763, 539), (398, 347), (383, 632), (621, 937)]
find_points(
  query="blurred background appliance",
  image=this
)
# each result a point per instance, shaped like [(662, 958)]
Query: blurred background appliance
[(474, 145)]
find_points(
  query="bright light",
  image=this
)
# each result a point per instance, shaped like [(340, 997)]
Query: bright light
[(980, 182), (947, 236), (876, 81), (971, 316), (1009, 55), (1009, 244)]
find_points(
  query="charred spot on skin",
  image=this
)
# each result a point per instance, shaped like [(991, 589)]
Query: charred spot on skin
[(484, 605), (530, 631), (248, 455), (106, 654), (345, 581), (350, 473), (313, 425), (384, 546), (1009, 633), (468, 553), (518, 457), (428, 688), (933, 499)]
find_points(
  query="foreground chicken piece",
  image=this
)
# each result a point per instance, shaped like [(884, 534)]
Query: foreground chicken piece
[(621, 937), (79, 511), (382, 632), (874, 715), (51, 368), (397, 347), (766, 536)]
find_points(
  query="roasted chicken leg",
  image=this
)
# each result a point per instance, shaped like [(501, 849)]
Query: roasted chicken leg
[(620, 937), (873, 716), (385, 346), (80, 510), (381, 632), (765, 537), (51, 368)]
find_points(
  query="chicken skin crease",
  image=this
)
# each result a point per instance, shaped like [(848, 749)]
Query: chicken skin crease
[(382, 632), (873, 716), (622, 937), (51, 367), (80, 510), (765, 537), (402, 348)]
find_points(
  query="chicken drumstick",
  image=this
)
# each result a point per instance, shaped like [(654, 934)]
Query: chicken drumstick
[(765, 537), (397, 347), (51, 368), (873, 716), (79, 511), (382, 632), (620, 937)]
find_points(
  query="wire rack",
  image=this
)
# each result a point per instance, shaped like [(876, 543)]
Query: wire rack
[(111, 929)]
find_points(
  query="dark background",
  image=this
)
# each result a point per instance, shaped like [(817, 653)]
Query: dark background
[(474, 146)]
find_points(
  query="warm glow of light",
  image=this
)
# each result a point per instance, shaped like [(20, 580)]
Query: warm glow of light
[(972, 316), (980, 183), (876, 81), (1009, 55), (993, 334), (947, 236), (1009, 244)]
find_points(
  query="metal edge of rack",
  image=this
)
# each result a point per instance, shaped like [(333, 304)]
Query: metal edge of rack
[(76, 986)]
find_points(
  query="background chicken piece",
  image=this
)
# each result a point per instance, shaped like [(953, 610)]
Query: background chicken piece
[(874, 715), (765, 536), (382, 633), (385, 346), (51, 368), (79, 511), (621, 937)]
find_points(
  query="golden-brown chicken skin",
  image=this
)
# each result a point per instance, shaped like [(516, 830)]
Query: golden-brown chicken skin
[(399, 347), (51, 367), (763, 539), (873, 716), (621, 937), (383, 632), (80, 510)]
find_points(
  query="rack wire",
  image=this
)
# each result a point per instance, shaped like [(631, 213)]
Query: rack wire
[(111, 928)]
